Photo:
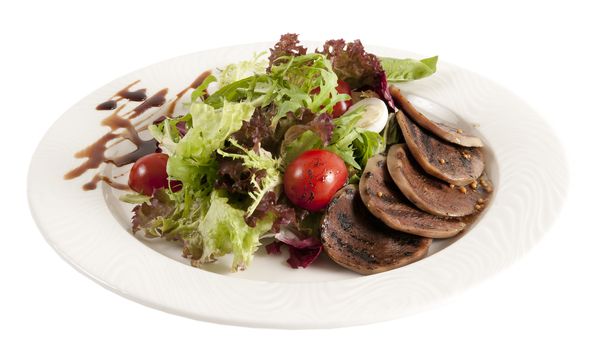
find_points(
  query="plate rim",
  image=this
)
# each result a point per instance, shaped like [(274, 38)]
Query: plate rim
[(278, 323)]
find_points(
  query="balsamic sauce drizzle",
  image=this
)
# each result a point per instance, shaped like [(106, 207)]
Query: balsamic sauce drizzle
[(94, 154), (137, 96)]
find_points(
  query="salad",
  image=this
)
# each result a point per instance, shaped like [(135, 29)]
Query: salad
[(265, 146)]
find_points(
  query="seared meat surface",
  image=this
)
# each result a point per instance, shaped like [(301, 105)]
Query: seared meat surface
[(449, 162), (355, 239), (445, 132), (385, 201), (431, 194)]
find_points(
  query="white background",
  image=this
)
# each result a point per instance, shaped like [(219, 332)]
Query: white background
[(53, 53)]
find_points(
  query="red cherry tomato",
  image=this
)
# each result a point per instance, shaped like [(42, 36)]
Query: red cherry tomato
[(313, 178), (342, 106), (149, 173)]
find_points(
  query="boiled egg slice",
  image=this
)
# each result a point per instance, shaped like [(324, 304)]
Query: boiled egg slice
[(375, 115)]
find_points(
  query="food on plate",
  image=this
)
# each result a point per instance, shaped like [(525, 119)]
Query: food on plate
[(443, 131), (342, 106), (270, 151), (431, 194), (148, 174), (386, 202), (313, 178), (357, 241), (374, 116), (447, 161)]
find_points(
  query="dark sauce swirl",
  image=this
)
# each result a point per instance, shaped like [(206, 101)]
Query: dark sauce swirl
[(130, 125)]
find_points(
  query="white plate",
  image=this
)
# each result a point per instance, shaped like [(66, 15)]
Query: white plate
[(90, 228)]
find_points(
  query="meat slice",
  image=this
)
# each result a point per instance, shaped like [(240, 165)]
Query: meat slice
[(385, 201), (431, 194), (445, 132), (449, 162), (353, 238)]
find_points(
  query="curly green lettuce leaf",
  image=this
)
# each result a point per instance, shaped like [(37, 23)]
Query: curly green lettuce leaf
[(244, 69), (407, 69), (164, 215), (261, 160), (258, 90), (352, 144), (223, 230), (193, 161), (212, 229), (294, 82), (169, 132), (306, 81), (344, 134)]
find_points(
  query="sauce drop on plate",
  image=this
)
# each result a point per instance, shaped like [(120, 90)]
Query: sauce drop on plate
[(94, 154)]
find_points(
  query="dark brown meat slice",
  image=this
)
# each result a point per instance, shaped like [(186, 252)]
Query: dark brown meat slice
[(384, 200), (431, 194), (452, 163), (445, 132), (354, 239)]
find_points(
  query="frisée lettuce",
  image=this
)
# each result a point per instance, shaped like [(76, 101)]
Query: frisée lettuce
[(230, 151)]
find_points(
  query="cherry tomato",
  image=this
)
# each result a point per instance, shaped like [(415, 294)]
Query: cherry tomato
[(313, 178), (149, 173), (342, 106)]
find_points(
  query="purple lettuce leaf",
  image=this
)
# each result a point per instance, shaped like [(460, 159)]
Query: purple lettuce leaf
[(360, 69), (288, 45), (303, 257), (283, 213), (303, 249), (257, 133)]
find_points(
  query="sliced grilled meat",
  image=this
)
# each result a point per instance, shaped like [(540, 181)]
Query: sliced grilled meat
[(431, 194), (445, 132), (385, 201), (449, 162), (353, 238)]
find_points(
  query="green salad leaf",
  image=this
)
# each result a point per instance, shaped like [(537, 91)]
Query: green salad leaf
[(164, 215), (201, 89), (223, 230), (305, 141), (257, 90), (305, 81), (213, 228), (352, 144), (344, 134), (167, 133), (199, 215), (392, 133), (294, 82), (230, 183), (367, 145), (192, 161), (407, 69), (135, 198), (262, 160), (244, 69)]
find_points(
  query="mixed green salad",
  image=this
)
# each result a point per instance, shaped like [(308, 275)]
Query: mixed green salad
[(262, 155)]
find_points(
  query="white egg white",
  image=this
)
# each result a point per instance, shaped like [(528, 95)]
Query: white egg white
[(375, 114)]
